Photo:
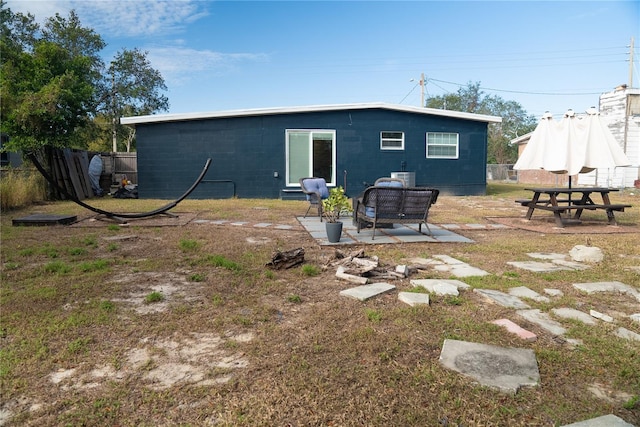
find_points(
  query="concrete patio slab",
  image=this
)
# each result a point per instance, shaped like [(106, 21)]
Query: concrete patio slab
[(399, 233), (366, 292), (505, 369)]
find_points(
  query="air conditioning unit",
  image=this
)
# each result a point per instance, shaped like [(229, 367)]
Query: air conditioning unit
[(408, 177)]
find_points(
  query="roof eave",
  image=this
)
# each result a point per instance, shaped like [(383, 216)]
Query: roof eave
[(160, 118)]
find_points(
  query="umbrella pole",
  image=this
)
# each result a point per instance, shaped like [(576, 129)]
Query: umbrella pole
[(569, 210)]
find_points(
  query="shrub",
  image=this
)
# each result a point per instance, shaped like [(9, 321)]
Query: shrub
[(21, 188)]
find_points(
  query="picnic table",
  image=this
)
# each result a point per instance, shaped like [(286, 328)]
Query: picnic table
[(565, 200)]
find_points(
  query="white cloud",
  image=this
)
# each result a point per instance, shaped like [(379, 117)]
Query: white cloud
[(179, 64), (120, 18)]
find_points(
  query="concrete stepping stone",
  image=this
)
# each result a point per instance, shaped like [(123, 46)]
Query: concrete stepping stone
[(366, 292), (524, 292), (573, 265), (553, 292), (603, 421), (627, 334), (441, 286), (549, 256), (458, 268), (501, 298), (538, 267), (543, 320), (614, 286), (516, 329), (601, 316), (413, 298), (505, 369), (572, 313)]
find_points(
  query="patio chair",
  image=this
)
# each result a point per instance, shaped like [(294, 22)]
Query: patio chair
[(389, 182), (315, 190)]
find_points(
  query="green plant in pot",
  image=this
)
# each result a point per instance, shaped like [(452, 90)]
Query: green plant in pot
[(332, 207)]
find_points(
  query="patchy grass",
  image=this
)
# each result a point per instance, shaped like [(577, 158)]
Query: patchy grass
[(316, 358)]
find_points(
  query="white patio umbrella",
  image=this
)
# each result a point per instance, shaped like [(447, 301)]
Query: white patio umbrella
[(572, 146)]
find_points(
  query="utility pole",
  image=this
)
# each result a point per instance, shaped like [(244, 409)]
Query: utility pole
[(422, 82), (631, 64)]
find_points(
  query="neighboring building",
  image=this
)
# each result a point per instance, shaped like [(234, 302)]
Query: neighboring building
[(8, 158), (539, 177), (620, 111), (262, 153)]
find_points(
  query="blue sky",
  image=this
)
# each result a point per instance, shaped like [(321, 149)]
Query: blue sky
[(228, 55)]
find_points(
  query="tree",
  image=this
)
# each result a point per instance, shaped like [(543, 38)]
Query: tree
[(515, 120), (56, 91), (134, 90), (48, 91)]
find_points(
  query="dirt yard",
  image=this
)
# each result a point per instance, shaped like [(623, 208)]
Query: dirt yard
[(178, 321)]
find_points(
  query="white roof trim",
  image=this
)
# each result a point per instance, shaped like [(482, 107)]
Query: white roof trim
[(521, 139), (161, 118)]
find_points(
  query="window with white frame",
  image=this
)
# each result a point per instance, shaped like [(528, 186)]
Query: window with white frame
[(391, 140), (311, 153), (442, 145)]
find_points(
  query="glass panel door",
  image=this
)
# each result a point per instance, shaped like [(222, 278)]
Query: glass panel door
[(310, 153)]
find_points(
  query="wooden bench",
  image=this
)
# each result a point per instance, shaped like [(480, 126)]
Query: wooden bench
[(392, 205), (557, 210), (525, 202)]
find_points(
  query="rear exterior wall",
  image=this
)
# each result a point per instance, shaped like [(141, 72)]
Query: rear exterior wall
[(249, 159)]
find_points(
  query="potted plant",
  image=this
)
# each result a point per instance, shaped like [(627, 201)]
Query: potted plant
[(336, 204)]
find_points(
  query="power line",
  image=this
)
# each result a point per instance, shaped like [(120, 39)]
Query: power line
[(516, 91)]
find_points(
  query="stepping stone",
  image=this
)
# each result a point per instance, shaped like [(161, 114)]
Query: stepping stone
[(627, 334), (543, 320), (549, 256), (603, 421), (441, 286), (448, 260), (601, 316), (516, 329), (635, 317), (505, 369), (467, 271), (607, 287), (501, 298), (553, 292), (524, 292), (571, 313), (413, 298), (573, 265), (366, 292), (538, 267)]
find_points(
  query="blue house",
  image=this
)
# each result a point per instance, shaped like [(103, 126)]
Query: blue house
[(262, 153)]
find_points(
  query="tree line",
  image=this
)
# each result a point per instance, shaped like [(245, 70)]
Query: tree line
[(58, 92)]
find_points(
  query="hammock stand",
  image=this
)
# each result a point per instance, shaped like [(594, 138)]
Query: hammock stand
[(121, 217)]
